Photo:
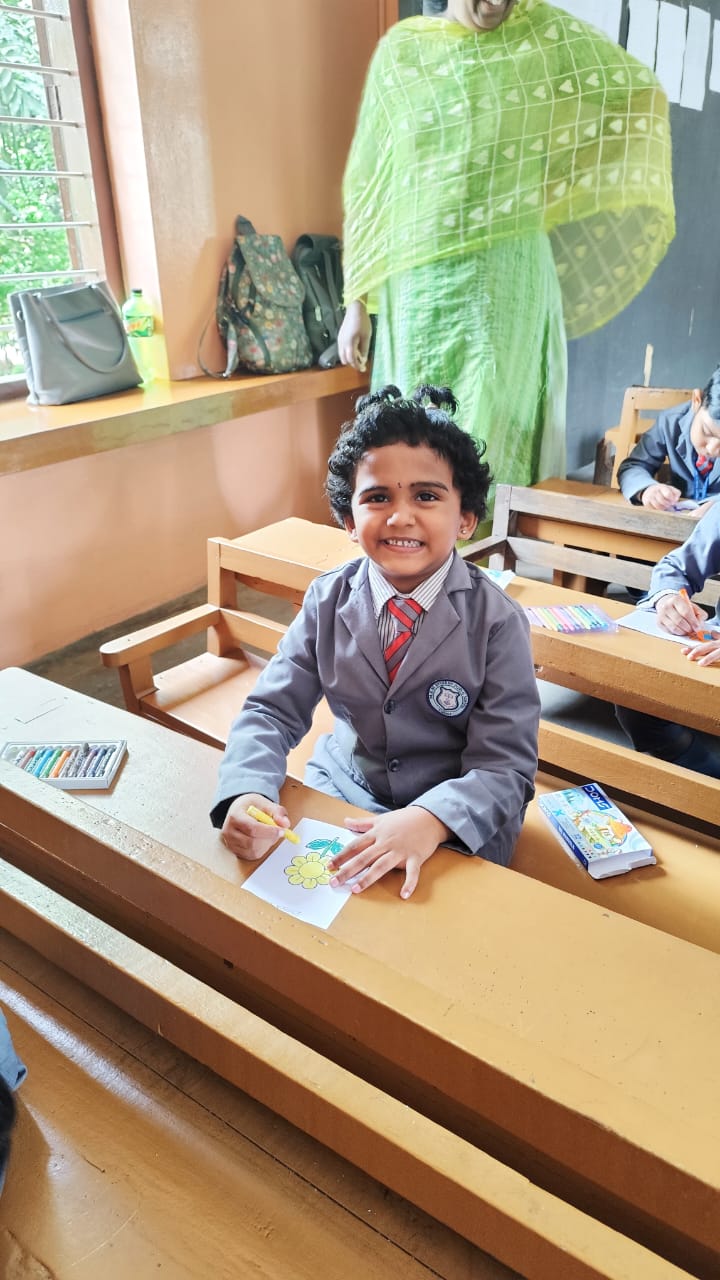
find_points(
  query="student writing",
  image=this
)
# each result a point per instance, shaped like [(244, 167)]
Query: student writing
[(689, 437), (425, 663), (679, 575)]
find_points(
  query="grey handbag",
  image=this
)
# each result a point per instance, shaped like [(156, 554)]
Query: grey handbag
[(73, 343)]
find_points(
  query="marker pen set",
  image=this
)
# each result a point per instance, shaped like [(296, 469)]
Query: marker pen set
[(72, 765), (570, 618)]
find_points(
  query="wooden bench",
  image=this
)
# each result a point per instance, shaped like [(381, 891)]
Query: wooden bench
[(511, 1061), (130, 1157), (640, 408), (201, 695)]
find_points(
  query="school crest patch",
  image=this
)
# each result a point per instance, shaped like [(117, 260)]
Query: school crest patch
[(448, 697)]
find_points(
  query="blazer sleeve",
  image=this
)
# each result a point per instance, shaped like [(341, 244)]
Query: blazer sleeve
[(641, 466), (274, 718), (692, 563), (484, 807)]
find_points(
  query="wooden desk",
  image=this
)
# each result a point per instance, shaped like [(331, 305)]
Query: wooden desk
[(613, 542), (625, 666), (577, 1043), (37, 435)]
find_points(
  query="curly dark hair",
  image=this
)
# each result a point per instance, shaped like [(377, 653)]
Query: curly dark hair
[(388, 417)]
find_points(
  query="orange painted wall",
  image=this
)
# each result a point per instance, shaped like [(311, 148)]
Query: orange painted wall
[(211, 108)]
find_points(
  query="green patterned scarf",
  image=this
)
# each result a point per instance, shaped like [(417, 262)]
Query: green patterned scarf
[(466, 138)]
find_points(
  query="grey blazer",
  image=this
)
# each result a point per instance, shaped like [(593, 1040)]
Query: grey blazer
[(668, 438), (456, 733), (691, 564)]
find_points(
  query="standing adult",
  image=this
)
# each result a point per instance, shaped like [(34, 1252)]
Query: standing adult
[(509, 183)]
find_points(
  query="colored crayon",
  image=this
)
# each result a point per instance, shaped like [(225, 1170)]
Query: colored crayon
[(57, 767), (88, 762), (39, 763), (26, 757), (69, 765), (102, 759), (55, 753)]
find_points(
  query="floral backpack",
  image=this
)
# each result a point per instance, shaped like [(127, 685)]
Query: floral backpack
[(259, 309)]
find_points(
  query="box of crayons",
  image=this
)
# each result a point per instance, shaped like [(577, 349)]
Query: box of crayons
[(595, 831), (74, 765), (570, 617)]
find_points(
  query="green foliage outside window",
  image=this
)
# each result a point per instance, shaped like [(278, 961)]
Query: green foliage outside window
[(31, 199)]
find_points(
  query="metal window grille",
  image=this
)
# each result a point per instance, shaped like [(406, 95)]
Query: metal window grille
[(49, 232)]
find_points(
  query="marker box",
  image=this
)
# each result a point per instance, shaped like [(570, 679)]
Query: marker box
[(595, 831), (74, 766)]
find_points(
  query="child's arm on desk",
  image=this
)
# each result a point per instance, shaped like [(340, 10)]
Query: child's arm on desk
[(249, 837), (403, 838)]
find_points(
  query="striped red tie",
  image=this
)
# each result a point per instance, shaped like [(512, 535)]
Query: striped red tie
[(405, 611), (704, 464)]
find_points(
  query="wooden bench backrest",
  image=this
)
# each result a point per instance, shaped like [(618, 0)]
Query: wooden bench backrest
[(640, 407), (505, 548)]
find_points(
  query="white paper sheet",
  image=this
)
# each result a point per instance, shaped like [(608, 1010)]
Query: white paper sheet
[(603, 14), (670, 48), (294, 877), (697, 47), (642, 31), (501, 577), (646, 621), (714, 82)]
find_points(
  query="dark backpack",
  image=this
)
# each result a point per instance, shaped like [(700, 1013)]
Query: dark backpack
[(318, 262), (259, 307)]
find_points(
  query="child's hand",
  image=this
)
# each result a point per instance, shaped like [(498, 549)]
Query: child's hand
[(678, 614), (660, 497), (405, 838), (705, 653), (245, 836), (700, 511)]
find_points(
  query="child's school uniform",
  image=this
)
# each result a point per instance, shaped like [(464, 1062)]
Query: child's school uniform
[(669, 438), (689, 566), (456, 732), (692, 563)]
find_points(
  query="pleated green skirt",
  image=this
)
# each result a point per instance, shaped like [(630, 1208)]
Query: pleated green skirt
[(489, 326)]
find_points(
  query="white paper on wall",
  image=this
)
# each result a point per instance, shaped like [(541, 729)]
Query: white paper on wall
[(642, 31), (670, 53), (697, 47), (714, 82), (603, 14)]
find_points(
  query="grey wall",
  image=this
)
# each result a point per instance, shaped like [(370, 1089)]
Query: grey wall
[(679, 310)]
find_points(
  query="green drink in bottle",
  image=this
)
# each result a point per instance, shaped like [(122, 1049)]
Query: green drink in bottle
[(139, 326)]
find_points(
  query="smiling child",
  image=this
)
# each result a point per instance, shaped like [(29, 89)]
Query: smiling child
[(425, 663)]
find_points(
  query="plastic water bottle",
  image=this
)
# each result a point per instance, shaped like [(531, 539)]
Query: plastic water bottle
[(139, 326)]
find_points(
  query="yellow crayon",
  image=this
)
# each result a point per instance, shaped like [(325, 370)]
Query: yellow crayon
[(259, 816)]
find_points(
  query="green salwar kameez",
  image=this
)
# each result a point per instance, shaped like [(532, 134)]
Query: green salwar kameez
[(503, 188), (454, 323)]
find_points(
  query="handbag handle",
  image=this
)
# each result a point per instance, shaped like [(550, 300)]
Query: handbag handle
[(76, 354)]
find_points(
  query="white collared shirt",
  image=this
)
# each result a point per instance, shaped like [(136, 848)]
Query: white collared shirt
[(425, 594)]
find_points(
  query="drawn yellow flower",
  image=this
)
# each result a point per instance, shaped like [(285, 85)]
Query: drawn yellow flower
[(308, 870)]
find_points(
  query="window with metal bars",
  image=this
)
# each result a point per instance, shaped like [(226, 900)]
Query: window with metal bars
[(49, 231)]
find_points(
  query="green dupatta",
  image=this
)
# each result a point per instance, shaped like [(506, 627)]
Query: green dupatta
[(464, 139)]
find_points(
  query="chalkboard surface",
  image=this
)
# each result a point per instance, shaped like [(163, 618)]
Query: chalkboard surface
[(678, 313)]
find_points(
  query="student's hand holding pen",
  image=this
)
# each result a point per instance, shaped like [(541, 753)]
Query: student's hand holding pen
[(249, 836), (404, 838), (678, 614), (660, 497)]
